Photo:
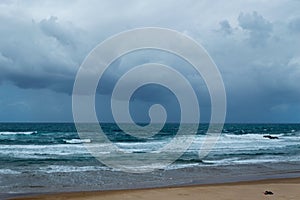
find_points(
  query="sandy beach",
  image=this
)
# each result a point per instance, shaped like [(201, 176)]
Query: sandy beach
[(281, 188)]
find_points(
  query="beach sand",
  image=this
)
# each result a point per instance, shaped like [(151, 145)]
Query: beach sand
[(282, 189)]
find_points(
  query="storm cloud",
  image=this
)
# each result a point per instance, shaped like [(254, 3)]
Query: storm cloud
[(254, 44), (39, 55)]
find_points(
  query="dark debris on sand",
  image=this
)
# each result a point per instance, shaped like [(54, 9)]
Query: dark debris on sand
[(268, 192)]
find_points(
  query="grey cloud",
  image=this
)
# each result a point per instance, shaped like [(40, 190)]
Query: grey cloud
[(258, 27), (263, 78), (225, 27), (254, 21), (258, 58), (123, 64), (52, 28), (40, 55), (294, 25)]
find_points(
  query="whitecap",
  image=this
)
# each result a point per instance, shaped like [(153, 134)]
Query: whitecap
[(18, 133), (78, 141), (9, 171)]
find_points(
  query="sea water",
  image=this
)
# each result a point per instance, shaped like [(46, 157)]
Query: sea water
[(44, 157)]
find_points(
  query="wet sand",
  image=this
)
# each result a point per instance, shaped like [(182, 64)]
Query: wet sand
[(282, 188)]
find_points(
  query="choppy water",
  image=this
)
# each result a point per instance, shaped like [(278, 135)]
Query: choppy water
[(43, 148)]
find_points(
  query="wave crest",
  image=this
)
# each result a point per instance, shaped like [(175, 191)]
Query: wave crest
[(78, 141), (18, 133)]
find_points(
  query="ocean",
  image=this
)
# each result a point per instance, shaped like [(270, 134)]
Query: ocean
[(50, 157)]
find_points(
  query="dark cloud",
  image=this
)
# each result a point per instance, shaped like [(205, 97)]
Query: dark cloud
[(257, 52), (40, 55)]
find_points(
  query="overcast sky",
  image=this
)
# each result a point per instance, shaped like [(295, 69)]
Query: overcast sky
[(255, 44)]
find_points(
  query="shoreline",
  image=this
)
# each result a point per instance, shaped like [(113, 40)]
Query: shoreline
[(283, 188), (88, 182)]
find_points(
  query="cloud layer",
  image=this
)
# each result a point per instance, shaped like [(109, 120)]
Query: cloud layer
[(255, 44)]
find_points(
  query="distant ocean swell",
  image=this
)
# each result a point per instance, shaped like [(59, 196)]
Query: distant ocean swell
[(57, 147)]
